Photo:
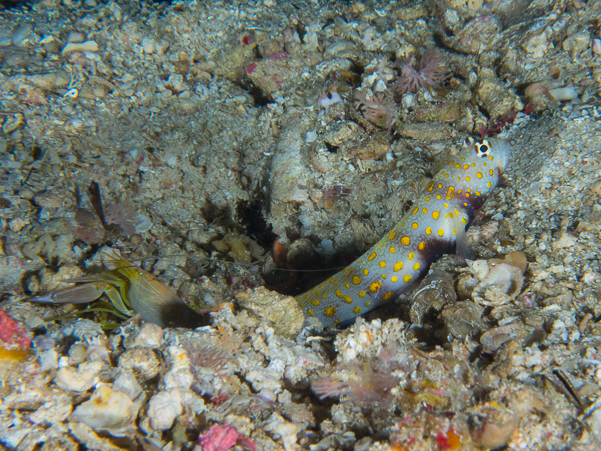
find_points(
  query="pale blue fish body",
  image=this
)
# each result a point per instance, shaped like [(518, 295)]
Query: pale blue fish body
[(436, 222)]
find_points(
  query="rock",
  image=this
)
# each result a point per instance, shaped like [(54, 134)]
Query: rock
[(496, 99), (143, 362), (577, 43), (279, 311), (285, 430), (539, 97), (164, 408), (106, 409), (495, 425), (462, 319), (179, 374), (478, 35), (427, 131), (435, 291), (126, 383), (81, 379), (54, 411), (149, 336), (86, 436), (537, 45), (148, 44)]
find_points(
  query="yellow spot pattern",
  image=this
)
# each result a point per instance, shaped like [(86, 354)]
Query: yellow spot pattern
[(375, 286), (329, 308)]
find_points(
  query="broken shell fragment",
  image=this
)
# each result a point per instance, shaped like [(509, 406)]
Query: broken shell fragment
[(87, 46), (492, 339), (564, 94), (501, 285), (500, 280)]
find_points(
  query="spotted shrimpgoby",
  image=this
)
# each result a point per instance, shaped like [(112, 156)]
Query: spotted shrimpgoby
[(436, 222)]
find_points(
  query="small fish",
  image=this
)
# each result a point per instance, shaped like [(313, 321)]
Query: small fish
[(437, 222)]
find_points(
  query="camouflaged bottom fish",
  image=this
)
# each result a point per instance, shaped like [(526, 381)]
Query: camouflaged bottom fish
[(436, 222)]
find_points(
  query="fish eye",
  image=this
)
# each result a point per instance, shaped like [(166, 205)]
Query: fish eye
[(469, 141), (482, 148)]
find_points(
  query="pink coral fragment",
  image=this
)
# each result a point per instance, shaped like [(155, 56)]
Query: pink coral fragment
[(251, 68), (12, 335), (277, 56), (222, 438)]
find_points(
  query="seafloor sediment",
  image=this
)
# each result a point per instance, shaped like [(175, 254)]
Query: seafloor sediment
[(228, 148)]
